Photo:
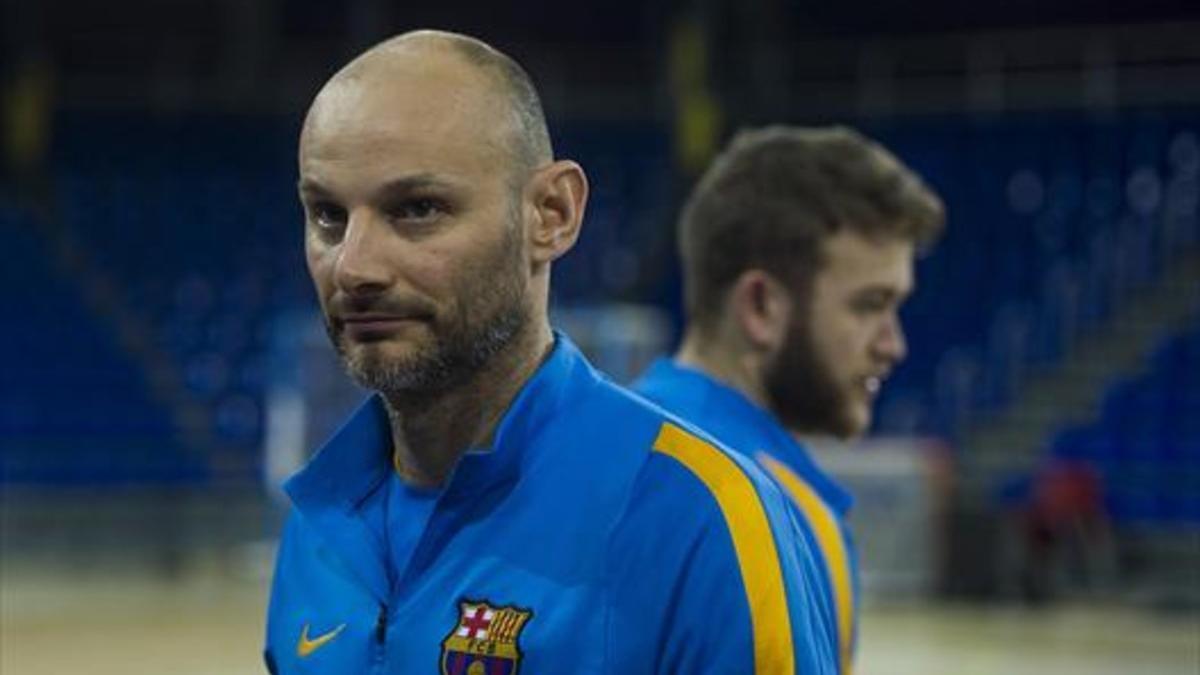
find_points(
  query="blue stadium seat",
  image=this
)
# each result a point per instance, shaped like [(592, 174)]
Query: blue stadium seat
[(1054, 218)]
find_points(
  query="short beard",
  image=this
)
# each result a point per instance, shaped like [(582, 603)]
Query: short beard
[(450, 363), (463, 347), (802, 391)]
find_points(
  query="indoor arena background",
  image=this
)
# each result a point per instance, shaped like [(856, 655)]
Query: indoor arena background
[(1029, 501)]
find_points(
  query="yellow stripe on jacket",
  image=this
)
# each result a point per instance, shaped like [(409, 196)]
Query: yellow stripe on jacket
[(753, 542), (833, 548)]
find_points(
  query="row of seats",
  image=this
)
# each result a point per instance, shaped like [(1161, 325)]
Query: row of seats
[(74, 406), (1054, 221), (1145, 443)]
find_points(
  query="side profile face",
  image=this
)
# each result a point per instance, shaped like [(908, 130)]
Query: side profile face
[(413, 235), (845, 339)]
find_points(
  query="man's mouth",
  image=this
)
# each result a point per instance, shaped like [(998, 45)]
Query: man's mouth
[(872, 384), (375, 326)]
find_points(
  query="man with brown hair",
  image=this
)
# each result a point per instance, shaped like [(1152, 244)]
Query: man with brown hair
[(797, 248)]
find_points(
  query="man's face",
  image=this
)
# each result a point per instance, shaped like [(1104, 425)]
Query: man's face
[(414, 232), (845, 337)]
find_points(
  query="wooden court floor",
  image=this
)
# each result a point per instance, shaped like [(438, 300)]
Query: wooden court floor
[(210, 623)]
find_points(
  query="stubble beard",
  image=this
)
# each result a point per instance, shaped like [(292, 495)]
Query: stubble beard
[(456, 354), (461, 347)]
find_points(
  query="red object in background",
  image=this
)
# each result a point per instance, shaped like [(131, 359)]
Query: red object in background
[(1067, 492)]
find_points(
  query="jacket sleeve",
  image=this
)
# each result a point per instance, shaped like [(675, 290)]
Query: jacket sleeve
[(708, 573)]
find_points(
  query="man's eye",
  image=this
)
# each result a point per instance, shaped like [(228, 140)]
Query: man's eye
[(423, 208), (327, 216), (871, 305)]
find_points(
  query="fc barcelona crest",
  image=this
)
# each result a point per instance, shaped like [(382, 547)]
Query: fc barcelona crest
[(485, 640)]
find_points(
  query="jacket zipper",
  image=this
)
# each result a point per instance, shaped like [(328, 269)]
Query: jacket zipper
[(381, 624)]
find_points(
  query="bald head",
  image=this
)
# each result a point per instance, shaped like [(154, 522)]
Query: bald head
[(428, 246), (487, 79)]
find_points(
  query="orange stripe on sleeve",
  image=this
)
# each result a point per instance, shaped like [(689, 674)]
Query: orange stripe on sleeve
[(833, 548), (753, 543)]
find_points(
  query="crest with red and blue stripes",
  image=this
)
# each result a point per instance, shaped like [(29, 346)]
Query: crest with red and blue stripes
[(484, 642)]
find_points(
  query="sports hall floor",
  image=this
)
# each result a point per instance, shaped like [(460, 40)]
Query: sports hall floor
[(209, 621)]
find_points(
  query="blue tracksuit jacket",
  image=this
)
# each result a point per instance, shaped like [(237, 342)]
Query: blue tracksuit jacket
[(821, 503), (597, 534)]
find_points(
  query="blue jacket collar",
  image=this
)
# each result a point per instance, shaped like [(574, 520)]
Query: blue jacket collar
[(706, 393), (512, 446), (358, 456), (330, 489)]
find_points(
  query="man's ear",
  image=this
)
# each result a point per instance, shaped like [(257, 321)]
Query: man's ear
[(558, 195), (762, 309)]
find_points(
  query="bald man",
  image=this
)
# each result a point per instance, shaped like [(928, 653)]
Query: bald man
[(497, 505)]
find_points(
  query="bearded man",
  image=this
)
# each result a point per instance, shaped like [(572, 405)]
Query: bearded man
[(497, 505), (797, 247)]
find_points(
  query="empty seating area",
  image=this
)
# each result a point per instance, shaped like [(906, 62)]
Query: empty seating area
[(1055, 221), (1146, 442), (75, 408), (195, 222)]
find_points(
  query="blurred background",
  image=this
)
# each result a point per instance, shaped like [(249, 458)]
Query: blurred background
[(1029, 501)]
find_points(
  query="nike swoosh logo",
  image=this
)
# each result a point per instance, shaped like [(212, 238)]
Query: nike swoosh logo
[(306, 646)]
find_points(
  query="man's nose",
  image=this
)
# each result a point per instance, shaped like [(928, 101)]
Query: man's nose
[(361, 266), (891, 344)]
